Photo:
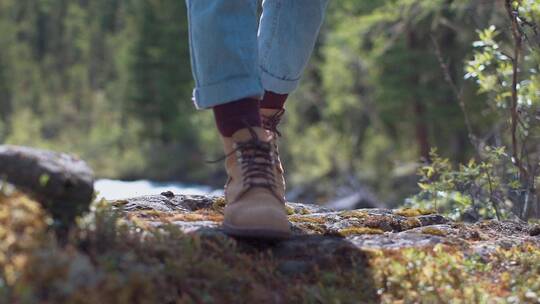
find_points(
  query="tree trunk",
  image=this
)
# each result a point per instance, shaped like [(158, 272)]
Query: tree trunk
[(422, 132)]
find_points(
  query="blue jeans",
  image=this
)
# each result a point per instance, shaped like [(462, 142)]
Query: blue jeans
[(234, 56)]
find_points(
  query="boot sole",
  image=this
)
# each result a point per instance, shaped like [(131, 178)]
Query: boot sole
[(255, 233)]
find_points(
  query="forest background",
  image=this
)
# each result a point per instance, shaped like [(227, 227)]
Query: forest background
[(389, 81)]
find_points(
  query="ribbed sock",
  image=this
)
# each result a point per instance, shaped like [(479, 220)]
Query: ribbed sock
[(273, 100), (236, 115)]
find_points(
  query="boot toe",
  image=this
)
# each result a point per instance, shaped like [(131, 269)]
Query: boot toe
[(256, 220)]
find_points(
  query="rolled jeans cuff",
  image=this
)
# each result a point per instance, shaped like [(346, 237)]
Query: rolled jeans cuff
[(227, 91), (276, 84)]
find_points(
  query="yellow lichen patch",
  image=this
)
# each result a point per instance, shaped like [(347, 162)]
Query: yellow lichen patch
[(153, 213), (306, 219), (434, 231), (141, 222), (354, 214), (119, 203), (167, 217), (312, 228), (200, 215), (359, 230), (187, 217), (145, 215), (142, 218), (299, 210), (410, 223), (410, 212), (290, 210), (443, 273), (210, 213), (304, 211), (383, 222), (219, 203)]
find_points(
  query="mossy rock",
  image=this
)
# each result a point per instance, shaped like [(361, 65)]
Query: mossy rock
[(411, 212), (434, 231), (359, 230), (62, 183), (170, 249)]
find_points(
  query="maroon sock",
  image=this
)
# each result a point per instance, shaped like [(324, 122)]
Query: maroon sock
[(273, 100), (236, 115)]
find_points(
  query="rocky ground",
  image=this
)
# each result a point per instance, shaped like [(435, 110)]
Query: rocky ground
[(169, 248), (315, 226)]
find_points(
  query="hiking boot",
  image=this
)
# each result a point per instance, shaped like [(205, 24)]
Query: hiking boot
[(255, 206), (270, 119)]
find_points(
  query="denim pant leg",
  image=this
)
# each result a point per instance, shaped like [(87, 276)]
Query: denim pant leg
[(287, 34), (224, 50)]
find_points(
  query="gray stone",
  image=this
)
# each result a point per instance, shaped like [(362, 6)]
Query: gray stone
[(62, 183), (319, 232)]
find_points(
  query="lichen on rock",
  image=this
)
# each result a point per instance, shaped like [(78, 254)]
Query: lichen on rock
[(359, 230), (364, 228), (170, 248), (434, 231), (411, 212)]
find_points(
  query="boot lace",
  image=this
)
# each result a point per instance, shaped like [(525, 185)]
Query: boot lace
[(256, 159), (271, 122)]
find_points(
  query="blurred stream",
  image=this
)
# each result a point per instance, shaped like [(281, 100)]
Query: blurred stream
[(116, 189)]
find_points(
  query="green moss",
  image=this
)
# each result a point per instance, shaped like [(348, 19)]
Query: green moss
[(359, 230), (445, 275), (122, 263), (434, 231)]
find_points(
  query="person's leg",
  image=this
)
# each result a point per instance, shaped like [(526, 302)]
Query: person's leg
[(224, 55), (223, 47), (224, 61), (273, 100), (287, 34)]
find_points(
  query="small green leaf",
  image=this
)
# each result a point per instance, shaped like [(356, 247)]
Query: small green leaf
[(44, 180)]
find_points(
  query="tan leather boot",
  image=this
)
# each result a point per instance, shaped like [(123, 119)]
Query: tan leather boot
[(270, 119), (255, 206)]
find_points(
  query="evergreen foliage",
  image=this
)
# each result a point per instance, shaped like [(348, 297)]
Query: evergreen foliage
[(110, 80)]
